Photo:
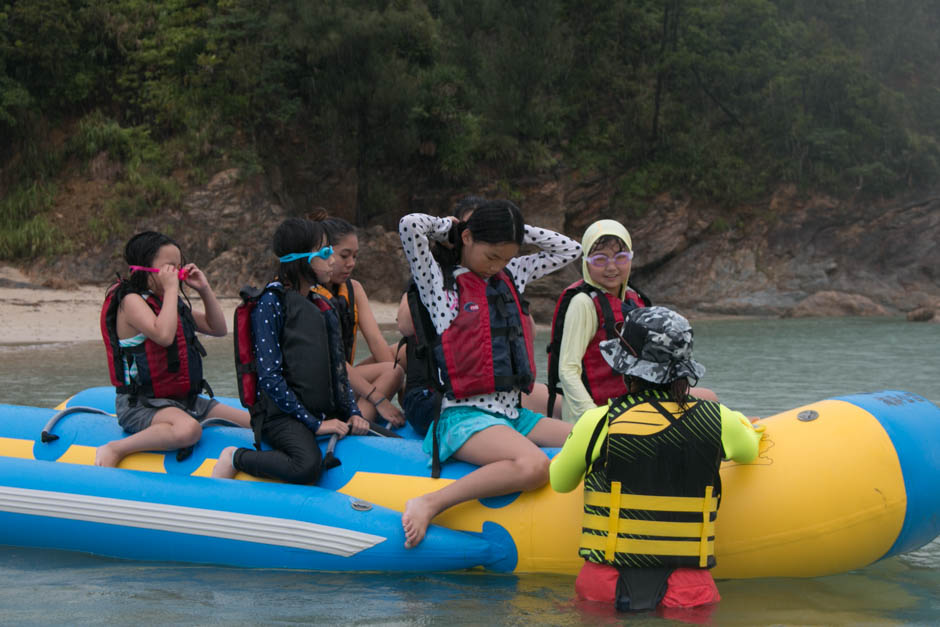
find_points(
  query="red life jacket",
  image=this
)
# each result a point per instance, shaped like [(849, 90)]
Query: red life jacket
[(601, 382), (488, 347), (246, 364), (173, 371)]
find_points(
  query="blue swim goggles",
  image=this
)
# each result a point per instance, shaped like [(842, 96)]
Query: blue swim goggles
[(324, 253)]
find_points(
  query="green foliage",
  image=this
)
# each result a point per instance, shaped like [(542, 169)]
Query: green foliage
[(25, 232), (30, 239), (96, 134), (721, 100)]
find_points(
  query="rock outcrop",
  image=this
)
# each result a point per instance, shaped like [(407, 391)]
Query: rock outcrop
[(792, 256)]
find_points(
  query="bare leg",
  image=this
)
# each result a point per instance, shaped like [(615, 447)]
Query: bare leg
[(387, 379), (537, 401), (371, 358), (509, 462), (170, 429), (225, 468), (239, 416), (550, 432)]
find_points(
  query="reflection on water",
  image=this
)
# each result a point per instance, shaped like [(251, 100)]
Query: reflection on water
[(757, 366)]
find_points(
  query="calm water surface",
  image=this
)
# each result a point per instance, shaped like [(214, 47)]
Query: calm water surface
[(757, 366)]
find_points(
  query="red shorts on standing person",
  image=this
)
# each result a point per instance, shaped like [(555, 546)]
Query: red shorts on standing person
[(686, 587)]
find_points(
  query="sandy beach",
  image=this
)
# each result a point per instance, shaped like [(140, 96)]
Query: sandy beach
[(31, 313)]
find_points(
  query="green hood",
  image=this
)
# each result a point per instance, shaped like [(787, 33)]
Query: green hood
[(591, 235)]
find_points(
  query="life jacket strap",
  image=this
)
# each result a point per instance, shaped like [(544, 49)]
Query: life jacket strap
[(671, 548), (689, 504), (658, 528), (708, 528), (613, 521)]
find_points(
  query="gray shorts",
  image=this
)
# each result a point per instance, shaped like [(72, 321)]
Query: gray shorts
[(138, 417)]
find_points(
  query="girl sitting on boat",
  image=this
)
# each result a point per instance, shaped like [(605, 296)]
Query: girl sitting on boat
[(377, 379), (586, 314), (483, 352), (154, 357), (303, 391), (421, 399)]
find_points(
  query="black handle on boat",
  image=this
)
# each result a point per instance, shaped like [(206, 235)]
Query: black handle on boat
[(329, 459), (382, 431), (218, 422), (47, 436)]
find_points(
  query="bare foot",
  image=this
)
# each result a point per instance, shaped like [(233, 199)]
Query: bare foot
[(106, 456), (415, 520), (224, 468)]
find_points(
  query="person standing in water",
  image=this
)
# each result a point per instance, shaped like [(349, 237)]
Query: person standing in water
[(483, 352), (650, 462), (154, 356)]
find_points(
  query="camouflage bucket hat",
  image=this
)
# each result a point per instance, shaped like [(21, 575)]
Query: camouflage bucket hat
[(654, 344)]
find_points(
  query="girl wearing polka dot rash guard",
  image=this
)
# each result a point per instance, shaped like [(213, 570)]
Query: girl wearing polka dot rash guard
[(303, 391), (484, 352)]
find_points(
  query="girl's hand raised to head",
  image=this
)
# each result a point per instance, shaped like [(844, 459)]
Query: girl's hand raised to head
[(448, 243), (195, 278), (168, 277)]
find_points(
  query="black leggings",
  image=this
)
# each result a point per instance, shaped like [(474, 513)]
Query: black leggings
[(295, 455)]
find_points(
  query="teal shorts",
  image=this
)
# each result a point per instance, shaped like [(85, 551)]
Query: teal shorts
[(457, 424)]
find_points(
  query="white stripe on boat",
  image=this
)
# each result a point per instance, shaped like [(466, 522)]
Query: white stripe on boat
[(189, 520)]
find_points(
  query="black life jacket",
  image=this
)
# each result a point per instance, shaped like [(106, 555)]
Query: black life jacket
[(343, 300), (306, 360), (651, 500), (419, 371), (173, 371)]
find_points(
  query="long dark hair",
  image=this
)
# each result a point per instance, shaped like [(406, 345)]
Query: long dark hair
[(297, 235), (464, 206), (493, 222), (468, 204), (337, 229), (676, 390), (140, 250)]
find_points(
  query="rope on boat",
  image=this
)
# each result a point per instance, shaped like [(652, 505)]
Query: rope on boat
[(47, 436)]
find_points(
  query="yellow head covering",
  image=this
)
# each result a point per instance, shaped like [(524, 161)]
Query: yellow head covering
[(594, 233)]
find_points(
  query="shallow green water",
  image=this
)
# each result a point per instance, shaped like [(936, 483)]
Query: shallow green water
[(757, 366)]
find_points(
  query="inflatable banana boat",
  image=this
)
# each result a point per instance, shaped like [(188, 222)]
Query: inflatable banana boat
[(838, 485)]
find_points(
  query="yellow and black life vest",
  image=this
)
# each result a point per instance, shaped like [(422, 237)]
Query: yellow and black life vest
[(343, 300), (651, 498)]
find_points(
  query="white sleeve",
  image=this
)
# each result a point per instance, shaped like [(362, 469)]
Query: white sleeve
[(416, 230), (556, 252)]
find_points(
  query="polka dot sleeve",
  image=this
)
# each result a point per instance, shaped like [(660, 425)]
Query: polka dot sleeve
[(416, 230), (556, 252)]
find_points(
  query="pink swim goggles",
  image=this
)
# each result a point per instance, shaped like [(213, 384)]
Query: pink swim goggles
[(183, 273)]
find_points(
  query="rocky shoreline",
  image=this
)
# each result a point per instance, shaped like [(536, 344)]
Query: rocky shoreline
[(793, 256)]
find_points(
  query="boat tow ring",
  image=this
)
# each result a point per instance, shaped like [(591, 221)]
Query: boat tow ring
[(47, 436)]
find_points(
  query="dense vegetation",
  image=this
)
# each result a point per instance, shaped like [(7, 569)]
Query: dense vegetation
[(720, 99)]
